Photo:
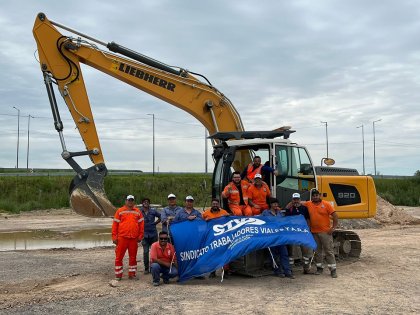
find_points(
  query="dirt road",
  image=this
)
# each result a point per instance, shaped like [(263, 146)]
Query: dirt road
[(385, 280)]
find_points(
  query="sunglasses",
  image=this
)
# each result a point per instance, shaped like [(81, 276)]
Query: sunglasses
[(163, 238), (130, 199)]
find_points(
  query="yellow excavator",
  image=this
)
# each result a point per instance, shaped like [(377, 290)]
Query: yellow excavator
[(352, 195)]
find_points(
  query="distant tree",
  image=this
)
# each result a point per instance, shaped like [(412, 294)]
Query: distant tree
[(417, 173)]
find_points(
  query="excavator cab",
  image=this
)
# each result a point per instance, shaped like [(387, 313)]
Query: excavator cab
[(294, 168)]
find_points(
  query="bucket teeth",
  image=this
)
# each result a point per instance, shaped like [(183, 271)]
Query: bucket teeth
[(87, 194)]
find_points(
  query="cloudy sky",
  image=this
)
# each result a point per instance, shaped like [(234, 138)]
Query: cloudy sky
[(294, 63)]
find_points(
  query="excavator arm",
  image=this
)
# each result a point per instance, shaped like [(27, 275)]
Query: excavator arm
[(60, 57)]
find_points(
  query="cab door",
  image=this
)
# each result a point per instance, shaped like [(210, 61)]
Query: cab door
[(295, 173)]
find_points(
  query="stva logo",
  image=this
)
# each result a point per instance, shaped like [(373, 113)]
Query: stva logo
[(235, 224)]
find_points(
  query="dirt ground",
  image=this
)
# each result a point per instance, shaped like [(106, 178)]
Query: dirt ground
[(385, 280)]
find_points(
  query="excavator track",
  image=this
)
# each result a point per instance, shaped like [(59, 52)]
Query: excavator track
[(347, 244)]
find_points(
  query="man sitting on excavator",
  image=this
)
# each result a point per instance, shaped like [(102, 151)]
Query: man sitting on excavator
[(256, 168)]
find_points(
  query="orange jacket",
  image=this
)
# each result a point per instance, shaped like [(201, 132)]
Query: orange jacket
[(250, 173), (259, 195), (233, 196), (128, 223)]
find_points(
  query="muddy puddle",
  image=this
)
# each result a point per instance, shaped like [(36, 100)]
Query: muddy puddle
[(46, 239)]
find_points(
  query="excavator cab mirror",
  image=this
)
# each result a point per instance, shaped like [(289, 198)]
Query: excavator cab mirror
[(328, 161)]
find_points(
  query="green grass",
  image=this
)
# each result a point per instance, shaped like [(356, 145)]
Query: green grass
[(25, 193), (403, 192)]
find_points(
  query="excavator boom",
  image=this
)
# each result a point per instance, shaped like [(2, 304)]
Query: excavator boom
[(60, 57)]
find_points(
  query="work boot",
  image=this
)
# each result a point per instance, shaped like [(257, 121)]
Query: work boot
[(146, 272), (306, 269), (319, 270), (334, 273), (166, 281), (290, 276)]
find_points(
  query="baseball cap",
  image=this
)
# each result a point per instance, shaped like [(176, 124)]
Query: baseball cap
[(171, 196), (296, 195), (257, 176), (130, 197), (315, 192), (189, 197)]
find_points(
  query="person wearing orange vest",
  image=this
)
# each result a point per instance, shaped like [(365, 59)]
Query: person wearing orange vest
[(257, 168), (320, 212), (258, 194), (253, 168), (127, 231), (236, 193)]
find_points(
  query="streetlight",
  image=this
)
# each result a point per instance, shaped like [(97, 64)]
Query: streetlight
[(326, 133), (27, 150), (374, 144), (153, 117), (363, 140), (17, 148), (205, 150)]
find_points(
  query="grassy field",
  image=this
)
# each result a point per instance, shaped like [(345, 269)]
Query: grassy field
[(46, 192), (403, 192), (25, 193)]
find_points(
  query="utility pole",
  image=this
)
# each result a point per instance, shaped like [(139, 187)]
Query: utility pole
[(153, 119), (18, 131), (27, 150), (363, 141), (374, 144), (326, 133), (205, 151)]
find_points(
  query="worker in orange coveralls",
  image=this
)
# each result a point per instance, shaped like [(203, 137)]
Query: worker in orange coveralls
[(236, 194), (127, 231), (258, 194)]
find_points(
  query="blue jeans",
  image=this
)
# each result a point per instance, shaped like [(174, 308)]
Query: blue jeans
[(147, 243), (282, 259), (159, 269)]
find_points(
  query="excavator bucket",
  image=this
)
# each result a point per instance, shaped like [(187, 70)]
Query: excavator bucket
[(87, 194)]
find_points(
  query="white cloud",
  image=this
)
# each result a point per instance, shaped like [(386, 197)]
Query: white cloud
[(281, 63)]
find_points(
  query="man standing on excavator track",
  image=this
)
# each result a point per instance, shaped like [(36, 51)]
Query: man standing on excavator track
[(127, 231), (319, 213)]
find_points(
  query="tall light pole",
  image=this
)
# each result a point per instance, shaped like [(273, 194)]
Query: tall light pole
[(18, 131), (374, 144), (363, 141), (326, 133), (205, 150), (153, 117), (27, 150)]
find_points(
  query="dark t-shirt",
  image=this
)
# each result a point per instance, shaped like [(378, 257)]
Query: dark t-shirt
[(303, 210)]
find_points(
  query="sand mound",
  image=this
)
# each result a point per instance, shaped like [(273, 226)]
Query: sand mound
[(387, 213)]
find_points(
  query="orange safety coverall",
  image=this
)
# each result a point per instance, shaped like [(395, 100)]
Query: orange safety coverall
[(259, 197), (231, 192), (127, 229), (250, 172)]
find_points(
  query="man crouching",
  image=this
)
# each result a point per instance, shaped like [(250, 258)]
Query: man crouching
[(163, 259)]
